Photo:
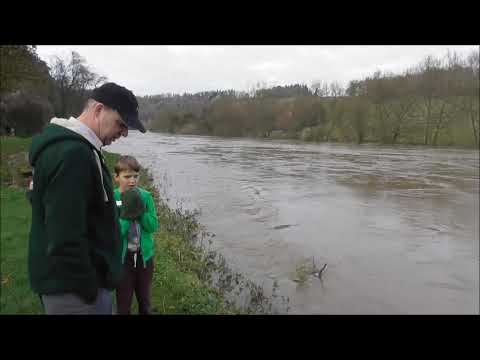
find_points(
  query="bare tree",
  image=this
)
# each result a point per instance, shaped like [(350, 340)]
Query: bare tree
[(429, 70), (402, 104), (473, 89), (320, 88), (380, 91), (448, 84), (358, 109), (73, 78), (336, 89), (336, 112)]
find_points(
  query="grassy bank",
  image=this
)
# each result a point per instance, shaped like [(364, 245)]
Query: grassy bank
[(16, 296), (183, 270), (15, 215)]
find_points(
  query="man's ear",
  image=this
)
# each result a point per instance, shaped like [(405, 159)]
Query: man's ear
[(97, 108)]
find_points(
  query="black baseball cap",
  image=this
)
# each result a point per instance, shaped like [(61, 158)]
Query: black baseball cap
[(120, 99)]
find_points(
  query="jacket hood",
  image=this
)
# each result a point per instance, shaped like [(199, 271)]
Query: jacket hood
[(57, 130), (62, 129)]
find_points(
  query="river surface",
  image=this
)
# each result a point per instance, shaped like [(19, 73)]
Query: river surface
[(397, 226)]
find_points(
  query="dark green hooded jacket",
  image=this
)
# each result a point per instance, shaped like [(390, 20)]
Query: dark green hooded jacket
[(74, 239)]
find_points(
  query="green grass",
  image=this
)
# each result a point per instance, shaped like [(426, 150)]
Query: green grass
[(13, 152), (177, 289), (11, 145), (16, 296)]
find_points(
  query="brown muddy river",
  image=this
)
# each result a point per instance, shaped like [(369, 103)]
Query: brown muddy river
[(398, 226)]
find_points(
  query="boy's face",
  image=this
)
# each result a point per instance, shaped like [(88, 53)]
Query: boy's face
[(127, 179)]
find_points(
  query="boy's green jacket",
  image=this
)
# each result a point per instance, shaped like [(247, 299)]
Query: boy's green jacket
[(148, 222)]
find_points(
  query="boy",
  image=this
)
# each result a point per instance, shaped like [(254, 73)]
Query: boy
[(138, 220)]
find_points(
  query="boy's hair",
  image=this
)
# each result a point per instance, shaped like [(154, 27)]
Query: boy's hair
[(125, 163)]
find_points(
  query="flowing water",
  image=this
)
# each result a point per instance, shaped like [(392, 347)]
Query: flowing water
[(398, 226)]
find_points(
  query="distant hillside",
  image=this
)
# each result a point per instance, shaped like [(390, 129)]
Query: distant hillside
[(435, 102)]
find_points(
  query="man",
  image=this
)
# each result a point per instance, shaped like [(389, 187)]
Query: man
[(75, 249)]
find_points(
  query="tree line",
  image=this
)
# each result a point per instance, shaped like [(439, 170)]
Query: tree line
[(435, 102)]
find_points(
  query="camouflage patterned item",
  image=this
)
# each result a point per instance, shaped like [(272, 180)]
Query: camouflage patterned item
[(132, 205)]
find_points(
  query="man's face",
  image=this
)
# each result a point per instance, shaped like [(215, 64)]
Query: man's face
[(111, 126), (126, 180)]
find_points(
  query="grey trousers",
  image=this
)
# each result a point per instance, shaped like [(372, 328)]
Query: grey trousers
[(72, 304)]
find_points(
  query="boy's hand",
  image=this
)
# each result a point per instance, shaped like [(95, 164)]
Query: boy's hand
[(132, 205)]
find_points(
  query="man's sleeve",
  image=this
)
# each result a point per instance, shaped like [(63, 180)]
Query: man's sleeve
[(66, 218)]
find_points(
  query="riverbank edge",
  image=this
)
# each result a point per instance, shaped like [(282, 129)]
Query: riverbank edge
[(276, 138)]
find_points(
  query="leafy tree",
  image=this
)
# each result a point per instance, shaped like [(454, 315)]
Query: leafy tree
[(25, 90), (21, 69)]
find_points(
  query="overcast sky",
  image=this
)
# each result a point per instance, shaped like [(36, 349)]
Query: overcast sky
[(150, 70)]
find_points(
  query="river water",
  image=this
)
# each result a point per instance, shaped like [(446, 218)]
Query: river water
[(397, 226)]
